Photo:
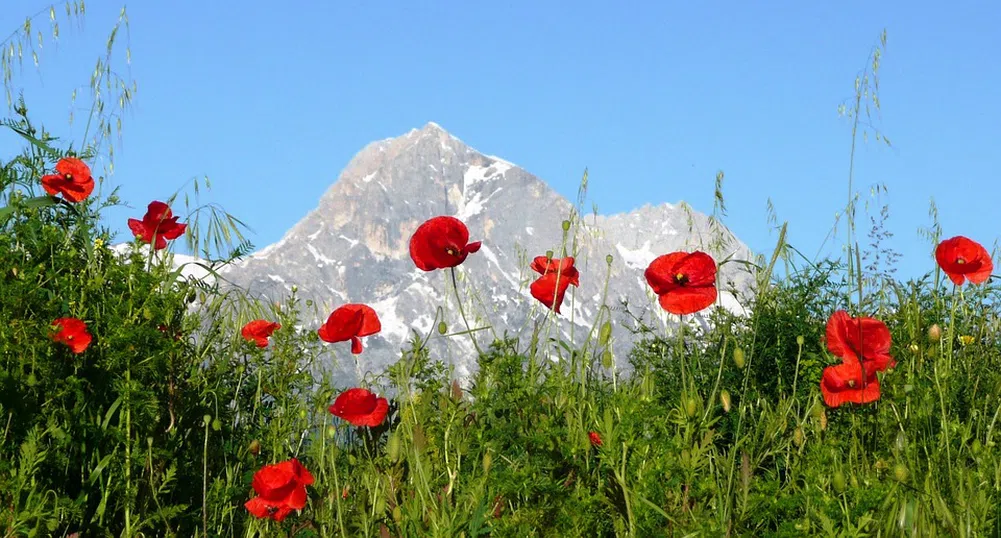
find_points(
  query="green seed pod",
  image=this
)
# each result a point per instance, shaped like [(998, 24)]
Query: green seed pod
[(207, 419), (32, 380), (442, 328), (606, 358), (331, 432), (609, 259), (549, 254), (255, 447), (800, 340), (797, 437), (838, 481), (566, 225), (302, 413), (216, 424), (738, 358), (397, 514)]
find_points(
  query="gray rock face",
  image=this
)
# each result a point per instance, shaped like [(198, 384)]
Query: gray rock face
[(354, 248)]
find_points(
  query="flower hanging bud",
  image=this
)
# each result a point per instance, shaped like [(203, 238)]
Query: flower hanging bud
[(442, 328), (566, 225), (934, 333), (738, 358), (724, 398)]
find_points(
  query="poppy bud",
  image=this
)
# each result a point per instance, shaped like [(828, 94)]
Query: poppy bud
[(797, 437), (800, 340), (32, 380), (393, 447), (207, 419), (901, 441), (691, 407), (934, 333), (606, 358), (216, 424), (549, 254), (900, 472), (604, 333), (331, 432), (838, 481), (295, 288), (609, 258), (380, 504), (397, 514), (487, 462), (255, 447), (442, 328), (724, 398), (566, 225), (738, 358)]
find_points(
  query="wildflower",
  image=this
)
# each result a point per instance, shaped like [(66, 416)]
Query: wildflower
[(966, 340), (557, 275), (441, 242), (864, 339), (72, 180), (684, 282), (73, 333), (258, 331), (281, 488), (360, 407), (350, 322), (595, 438), (962, 258), (157, 225), (845, 383)]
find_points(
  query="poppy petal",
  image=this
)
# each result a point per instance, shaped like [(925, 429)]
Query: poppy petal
[(684, 300)]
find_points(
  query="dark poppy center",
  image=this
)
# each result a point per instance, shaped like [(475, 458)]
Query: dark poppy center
[(451, 251), (960, 260), (681, 279), (851, 383), (69, 177)]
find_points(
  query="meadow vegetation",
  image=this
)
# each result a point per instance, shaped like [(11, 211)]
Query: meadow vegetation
[(173, 406)]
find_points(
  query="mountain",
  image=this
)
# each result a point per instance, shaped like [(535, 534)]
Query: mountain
[(354, 248)]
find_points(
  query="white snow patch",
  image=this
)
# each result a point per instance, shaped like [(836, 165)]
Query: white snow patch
[(349, 240), (369, 177), (638, 258), (319, 257), (383, 186), (263, 253), (313, 235), (392, 324), (277, 278), (529, 230), (474, 206)]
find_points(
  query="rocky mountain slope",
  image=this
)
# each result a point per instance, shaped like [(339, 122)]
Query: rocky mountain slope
[(354, 247)]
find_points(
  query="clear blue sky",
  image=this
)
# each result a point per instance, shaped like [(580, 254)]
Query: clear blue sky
[(272, 99)]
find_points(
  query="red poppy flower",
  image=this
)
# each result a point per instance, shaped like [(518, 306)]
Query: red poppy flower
[(360, 407), (73, 333), (280, 489), (350, 322), (557, 275), (685, 283), (963, 258), (440, 243), (844, 383), (853, 339), (259, 330), (157, 226), (595, 438), (73, 180)]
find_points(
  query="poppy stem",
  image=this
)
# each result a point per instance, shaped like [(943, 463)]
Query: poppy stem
[(458, 300)]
